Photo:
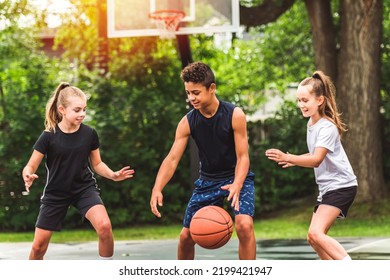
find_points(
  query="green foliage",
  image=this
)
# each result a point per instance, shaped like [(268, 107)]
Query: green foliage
[(268, 59), (25, 82), (237, 69), (26, 85), (78, 32), (286, 48), (385, 92), (135, 113)]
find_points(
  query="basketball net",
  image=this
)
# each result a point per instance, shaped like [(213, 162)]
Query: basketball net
[(167, 22)]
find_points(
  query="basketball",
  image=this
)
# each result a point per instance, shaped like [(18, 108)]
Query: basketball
[(211, 227)]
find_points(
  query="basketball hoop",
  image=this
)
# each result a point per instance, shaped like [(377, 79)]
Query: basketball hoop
[(167, 22)]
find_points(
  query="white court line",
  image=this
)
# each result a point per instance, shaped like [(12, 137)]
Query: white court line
[(367, 245)]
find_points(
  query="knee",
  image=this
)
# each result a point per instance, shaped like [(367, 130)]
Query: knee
[(312, 237), (39, 248), (185, 238), (104, 229), (244, 227)]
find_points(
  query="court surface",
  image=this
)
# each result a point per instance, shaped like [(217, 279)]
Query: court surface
[(358, 248)]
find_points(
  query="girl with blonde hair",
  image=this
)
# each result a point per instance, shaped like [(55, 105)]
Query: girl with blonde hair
[(333, 172), (71, 152)]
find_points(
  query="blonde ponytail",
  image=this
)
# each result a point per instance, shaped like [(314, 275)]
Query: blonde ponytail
[(322, 85), (59, 97)]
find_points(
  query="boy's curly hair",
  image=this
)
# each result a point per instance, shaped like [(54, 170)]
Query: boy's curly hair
[(199, 73)]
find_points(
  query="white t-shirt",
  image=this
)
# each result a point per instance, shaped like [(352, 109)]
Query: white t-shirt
[(335, 171)]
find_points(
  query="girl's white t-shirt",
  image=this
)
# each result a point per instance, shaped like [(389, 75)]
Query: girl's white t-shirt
[(335, 171)]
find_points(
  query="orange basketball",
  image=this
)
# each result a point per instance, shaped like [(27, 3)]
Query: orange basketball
[(211, 227)]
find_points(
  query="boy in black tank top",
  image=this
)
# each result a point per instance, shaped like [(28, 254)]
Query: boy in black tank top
[(219, 131)]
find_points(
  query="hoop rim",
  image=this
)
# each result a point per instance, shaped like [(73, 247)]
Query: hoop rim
[(158, 15)]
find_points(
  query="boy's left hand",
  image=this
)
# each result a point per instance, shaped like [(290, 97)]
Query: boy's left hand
[(234, 195)]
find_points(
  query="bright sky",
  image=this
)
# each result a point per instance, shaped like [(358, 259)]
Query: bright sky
[(54, 7)]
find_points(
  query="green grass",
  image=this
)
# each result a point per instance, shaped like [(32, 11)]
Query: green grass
[(364, 220)]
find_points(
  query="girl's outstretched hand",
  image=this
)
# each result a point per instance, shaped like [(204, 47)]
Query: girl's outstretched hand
[(279, 157), (123, 174), (28, 180)]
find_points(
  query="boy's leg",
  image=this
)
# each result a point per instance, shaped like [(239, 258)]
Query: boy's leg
[(205, 193), (99, 219), (40, 244), (244, 221), (246, 237), (186, 247)]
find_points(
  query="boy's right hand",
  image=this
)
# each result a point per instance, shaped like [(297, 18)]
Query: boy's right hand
[(156, 199)]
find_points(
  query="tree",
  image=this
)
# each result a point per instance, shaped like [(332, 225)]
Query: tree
[(349, 52), (359, 76), (26, 80)]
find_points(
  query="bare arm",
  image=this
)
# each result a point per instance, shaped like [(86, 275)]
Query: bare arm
[(242, 165), (169, 164), (305, 160), (103, 170), (31, 167)]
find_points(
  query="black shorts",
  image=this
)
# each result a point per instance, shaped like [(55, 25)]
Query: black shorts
[(340, 198), (51, 216)]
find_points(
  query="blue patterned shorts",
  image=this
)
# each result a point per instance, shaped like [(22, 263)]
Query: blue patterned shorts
[(210, 193)]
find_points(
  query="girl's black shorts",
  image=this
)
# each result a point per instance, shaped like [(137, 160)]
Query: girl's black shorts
[(340, 198), (51, 215)]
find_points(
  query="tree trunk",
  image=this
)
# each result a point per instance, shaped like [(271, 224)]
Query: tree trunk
[(324, 36), (358, 91)]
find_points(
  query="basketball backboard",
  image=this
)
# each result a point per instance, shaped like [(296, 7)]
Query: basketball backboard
[(130, 18)]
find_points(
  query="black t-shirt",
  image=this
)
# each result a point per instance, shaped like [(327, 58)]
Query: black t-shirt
[(67, 162), (214, 138)]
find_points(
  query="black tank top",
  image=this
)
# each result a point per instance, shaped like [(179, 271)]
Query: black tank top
[(214, 138)]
